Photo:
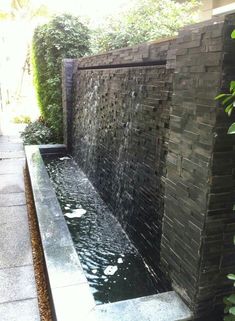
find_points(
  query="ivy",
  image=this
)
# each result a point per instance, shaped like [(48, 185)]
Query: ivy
[(63, 37)]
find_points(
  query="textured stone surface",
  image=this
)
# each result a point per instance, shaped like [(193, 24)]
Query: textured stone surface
[(155, 51), (16, 270), (14, 214), (73, 302), (11, 166), (121, 138), (120, 134), (63, 266), (17, 284), (14, 244), (199, 224), (161, 307), (24, 310), (11, 183), (69, 291)]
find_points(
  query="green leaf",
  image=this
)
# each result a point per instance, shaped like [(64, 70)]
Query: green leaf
[(229, 318), (233, 34), (231, 277), (221, 96), (229, 109), (231, 298), (227, 99), (232, 310), (231, 129), (232, 85)]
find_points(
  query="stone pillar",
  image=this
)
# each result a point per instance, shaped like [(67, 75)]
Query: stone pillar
[(67, 99), (197, 248)]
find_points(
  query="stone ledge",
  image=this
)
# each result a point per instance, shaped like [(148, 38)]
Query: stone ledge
[(70, 295)]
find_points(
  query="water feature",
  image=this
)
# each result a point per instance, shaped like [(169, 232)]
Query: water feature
[(113, 266)]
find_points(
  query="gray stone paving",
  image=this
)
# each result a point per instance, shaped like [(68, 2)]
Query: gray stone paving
[(18, 296)]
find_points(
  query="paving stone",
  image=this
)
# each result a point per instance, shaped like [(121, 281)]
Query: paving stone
[(14, 214), (10, 155), (10, 139), (17, 284), (11, 166), (66, 298), (9, 147), (25, 310), (15, 246), (11, 183), (12, 199)]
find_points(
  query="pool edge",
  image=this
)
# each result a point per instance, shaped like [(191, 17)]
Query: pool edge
[(72, 300)]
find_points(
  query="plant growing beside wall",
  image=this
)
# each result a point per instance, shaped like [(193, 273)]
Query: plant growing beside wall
[(228, 100), (63, 37)]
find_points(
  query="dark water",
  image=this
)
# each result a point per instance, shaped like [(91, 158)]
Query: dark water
[(100, 241)]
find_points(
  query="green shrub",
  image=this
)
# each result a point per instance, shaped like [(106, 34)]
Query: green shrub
[(37, 133), (146, 20), (63, 37)]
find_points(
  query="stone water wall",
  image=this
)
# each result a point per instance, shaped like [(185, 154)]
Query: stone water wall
[(147, 131), (120, 134)]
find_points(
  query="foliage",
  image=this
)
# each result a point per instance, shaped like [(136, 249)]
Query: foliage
[(37, 133), (22, 119), (63, 37), (24, 9), (228, 100), (146, 20)]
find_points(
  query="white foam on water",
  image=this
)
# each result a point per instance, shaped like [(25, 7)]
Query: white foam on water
[(64, 158), (110, 270), (120, 260), (76, 213)]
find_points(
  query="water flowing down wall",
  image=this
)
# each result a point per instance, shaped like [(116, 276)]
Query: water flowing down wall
[(119, 138), (144, 126)]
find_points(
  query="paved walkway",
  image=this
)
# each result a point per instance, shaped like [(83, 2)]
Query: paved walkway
[(18, 296)]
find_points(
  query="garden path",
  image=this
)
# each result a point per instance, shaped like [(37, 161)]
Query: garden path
[(18, 295)]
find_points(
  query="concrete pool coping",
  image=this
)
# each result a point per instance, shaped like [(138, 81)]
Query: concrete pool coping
[(70, 294)]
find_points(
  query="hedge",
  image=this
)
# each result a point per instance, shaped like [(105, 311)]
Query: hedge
[(63, 37)]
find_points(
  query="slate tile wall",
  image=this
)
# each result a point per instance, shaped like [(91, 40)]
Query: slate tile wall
[(197, 249), (120, 134), (153, 141)]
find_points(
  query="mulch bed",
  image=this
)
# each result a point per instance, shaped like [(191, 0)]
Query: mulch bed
[(38, 260)]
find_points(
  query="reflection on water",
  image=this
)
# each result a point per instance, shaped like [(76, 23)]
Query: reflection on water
[(114, 268)]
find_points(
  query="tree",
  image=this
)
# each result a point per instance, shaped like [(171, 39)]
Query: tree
[(23, 9), (147, 20)]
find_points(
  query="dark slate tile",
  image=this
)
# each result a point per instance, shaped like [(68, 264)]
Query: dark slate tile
[(17, 284)]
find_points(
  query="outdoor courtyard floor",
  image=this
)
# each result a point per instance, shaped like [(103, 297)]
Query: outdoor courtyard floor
[(18, 295)]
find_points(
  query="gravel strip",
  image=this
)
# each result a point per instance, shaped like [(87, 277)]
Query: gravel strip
[(38, 261)]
